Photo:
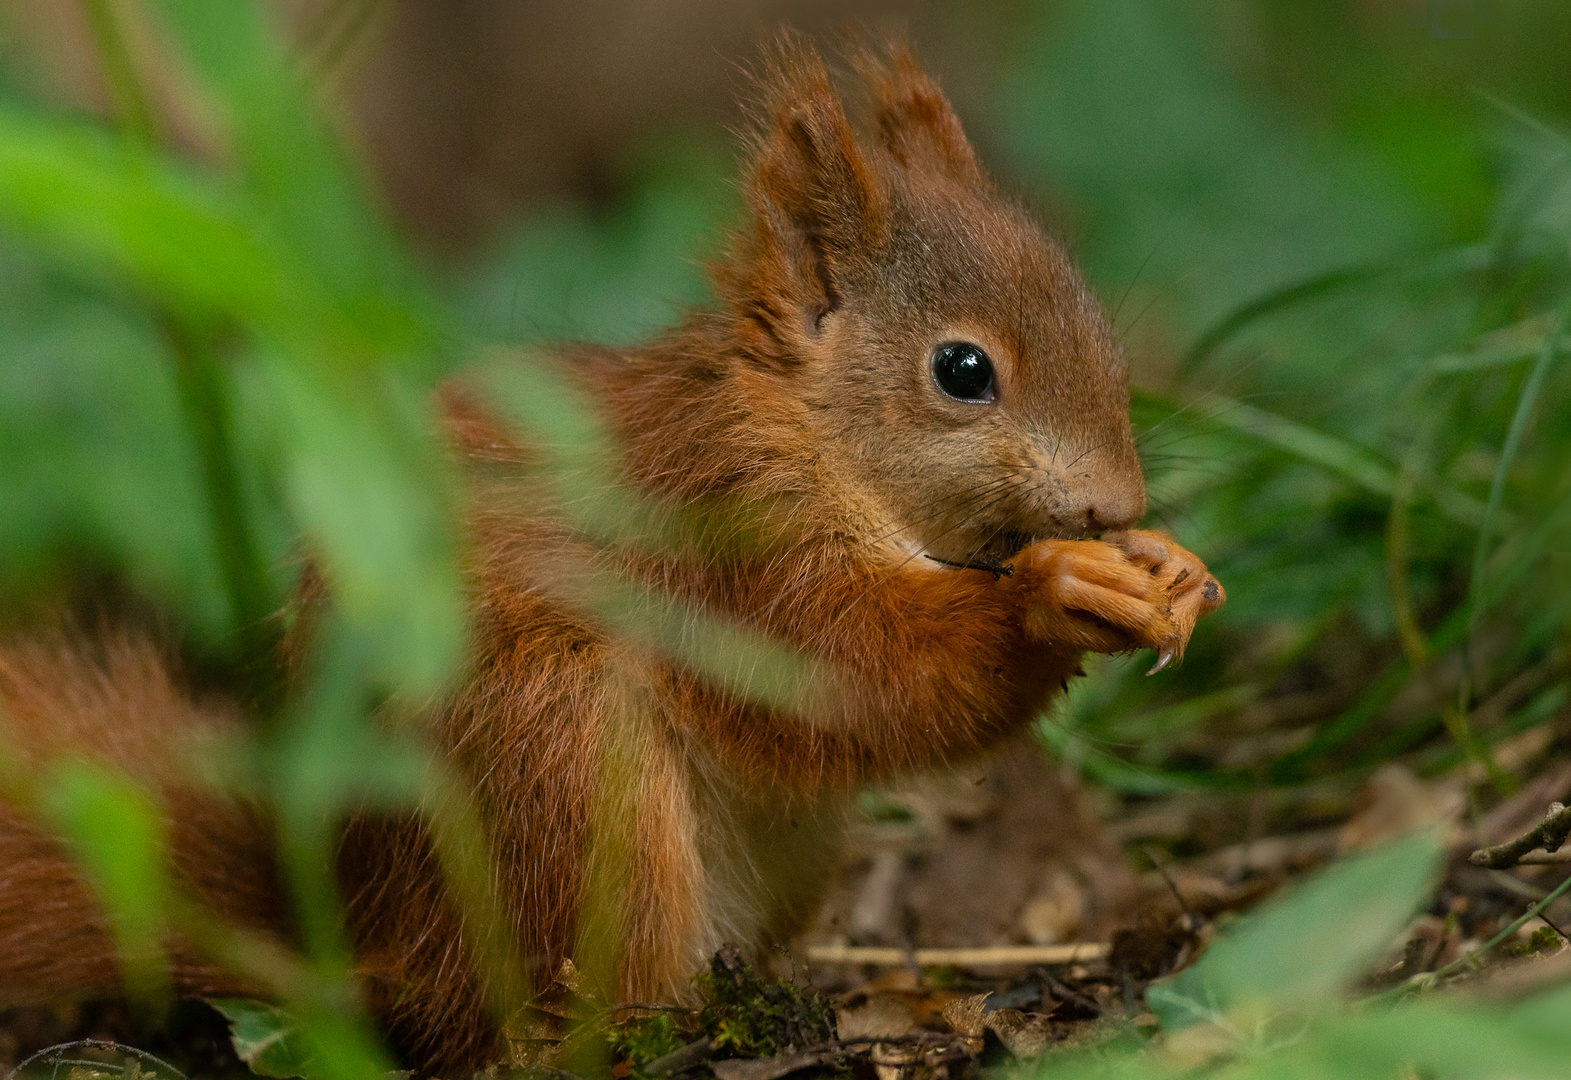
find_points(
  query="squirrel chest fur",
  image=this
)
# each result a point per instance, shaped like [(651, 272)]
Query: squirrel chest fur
[(919, 416)]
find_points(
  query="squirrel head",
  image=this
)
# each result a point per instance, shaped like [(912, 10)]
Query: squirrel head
[(950, 359)]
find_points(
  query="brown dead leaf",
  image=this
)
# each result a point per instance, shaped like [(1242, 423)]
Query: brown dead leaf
[(1393, 803), (1151, 949), (875, 1015), (1054, 913), (964, 1015), (1025, 1034)]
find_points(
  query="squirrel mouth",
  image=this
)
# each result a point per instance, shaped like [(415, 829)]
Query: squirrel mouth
[(994, 556), (1001, 547)]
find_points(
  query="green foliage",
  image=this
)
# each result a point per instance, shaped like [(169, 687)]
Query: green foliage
[(1542, 941), (749, 1016), (1269, 998), (214, 369), (741, 1015), (616, 275), (643, 1041), (1353, 396), (1301, 949), (117, 834), (265, 1037)]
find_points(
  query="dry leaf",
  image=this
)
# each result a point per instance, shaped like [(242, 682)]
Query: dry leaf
[(1055, 912), (1025, 1034), (1393, 803)]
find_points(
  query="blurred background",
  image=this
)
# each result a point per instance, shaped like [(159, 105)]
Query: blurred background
[(1335, 238)]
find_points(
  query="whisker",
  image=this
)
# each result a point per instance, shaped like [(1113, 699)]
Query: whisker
[(1237, 373), (1093, 450), (1131, 286)]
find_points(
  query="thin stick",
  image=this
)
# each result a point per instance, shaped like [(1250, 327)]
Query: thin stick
[(1549, 834), (1193, 916), (995, 956)]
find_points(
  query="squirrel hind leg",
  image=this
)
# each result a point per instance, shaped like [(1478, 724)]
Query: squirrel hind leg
[(54, 941), (110, 698)]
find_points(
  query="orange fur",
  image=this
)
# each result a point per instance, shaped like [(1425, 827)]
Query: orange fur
[(603, 766)]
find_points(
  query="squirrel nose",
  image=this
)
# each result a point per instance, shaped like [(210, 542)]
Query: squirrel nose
[(1114, 512)]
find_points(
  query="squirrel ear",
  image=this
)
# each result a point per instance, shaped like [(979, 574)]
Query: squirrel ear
[(817, 204), (916, 123)]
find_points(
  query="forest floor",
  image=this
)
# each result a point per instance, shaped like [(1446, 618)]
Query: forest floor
[(1008, 854), (1016, 852)]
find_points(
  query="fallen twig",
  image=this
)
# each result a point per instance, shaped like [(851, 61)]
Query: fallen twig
[(683, 1057), (1549, 835), (1070, 994), (994, 956), (769, 1068), (1195, 922)]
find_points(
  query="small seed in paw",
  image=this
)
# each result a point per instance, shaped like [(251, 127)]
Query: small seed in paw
[(1209, 590)]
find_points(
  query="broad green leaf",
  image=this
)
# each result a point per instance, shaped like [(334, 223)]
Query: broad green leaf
[(1442, 1036), (80, 192), (265, 1037), (364, 476), (274, 1042), (1301, 948)]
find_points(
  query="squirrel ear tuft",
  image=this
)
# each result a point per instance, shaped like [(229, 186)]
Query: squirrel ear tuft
[(916, 123), (817, 203)]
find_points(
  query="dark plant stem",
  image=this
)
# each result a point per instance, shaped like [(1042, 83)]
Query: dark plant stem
[(125, 90), (1517, 924), (204, 398), (335, 34)]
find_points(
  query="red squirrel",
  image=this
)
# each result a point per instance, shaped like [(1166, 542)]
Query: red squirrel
[(930, 406)]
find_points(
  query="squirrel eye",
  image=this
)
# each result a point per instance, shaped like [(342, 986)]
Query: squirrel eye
[(963, 371)]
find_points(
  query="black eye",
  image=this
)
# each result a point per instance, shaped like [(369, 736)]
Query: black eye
[(963, 371)]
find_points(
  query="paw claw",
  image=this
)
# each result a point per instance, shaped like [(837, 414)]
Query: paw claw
[(1164, 657)]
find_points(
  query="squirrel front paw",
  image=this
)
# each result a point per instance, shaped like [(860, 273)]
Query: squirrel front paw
[(1091, 596), (1130, 590), (1189, 589)]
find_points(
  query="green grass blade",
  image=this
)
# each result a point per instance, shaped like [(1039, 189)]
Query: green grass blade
[(117, 832), (295, 171), (1527, 400), (1461, 260), (79, 192)]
